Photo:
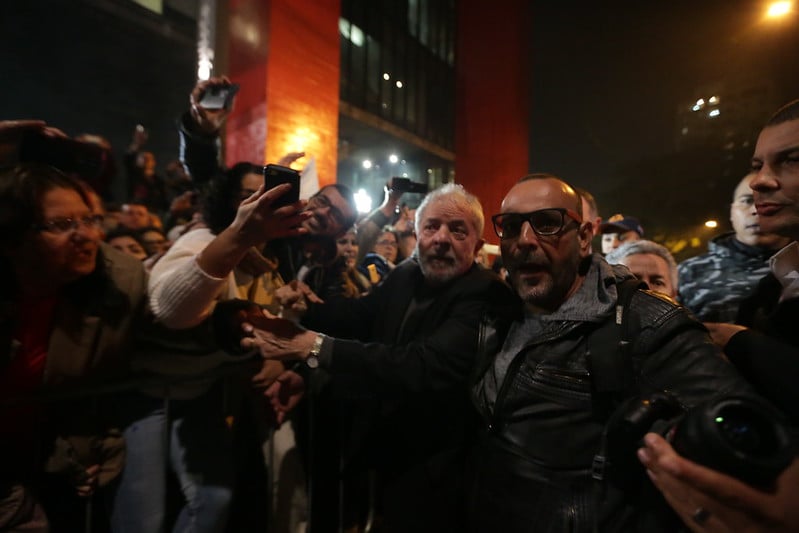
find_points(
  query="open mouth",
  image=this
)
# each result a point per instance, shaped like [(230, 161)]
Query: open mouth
[(85, 253), (530, 267), (440, 260)]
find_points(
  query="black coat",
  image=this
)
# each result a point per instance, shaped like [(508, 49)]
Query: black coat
[(403, 356)]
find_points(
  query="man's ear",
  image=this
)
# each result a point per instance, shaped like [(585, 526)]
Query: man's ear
[(585, 235), (480, 243)]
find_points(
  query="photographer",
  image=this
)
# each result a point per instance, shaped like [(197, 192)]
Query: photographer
[(590, 338), (766, 355)]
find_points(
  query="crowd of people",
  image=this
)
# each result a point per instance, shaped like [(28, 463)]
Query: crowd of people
[(205, 359)]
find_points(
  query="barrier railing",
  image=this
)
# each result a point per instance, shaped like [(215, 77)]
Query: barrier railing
[(138, 382)]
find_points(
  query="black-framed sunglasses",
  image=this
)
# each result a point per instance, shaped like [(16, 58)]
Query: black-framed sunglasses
[(545, 222)]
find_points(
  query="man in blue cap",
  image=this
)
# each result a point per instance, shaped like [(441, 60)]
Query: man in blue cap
[(619, 229)]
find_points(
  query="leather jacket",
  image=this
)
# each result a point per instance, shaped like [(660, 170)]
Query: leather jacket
[(544, 422)]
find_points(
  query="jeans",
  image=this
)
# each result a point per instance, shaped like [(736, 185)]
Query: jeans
[(199, 453)]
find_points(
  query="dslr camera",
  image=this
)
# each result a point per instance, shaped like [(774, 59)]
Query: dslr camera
[(740, 436)]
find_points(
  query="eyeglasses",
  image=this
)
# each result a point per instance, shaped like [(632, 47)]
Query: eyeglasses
[(544, 222), (66, 224)]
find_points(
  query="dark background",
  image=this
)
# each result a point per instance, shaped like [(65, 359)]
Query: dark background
[(612, 84), (98, 66), (613, 81)]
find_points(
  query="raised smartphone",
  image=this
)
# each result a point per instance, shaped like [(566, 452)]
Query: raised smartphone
[(275, 175)]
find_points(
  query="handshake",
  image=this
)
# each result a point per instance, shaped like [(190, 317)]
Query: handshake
[(242, 326)]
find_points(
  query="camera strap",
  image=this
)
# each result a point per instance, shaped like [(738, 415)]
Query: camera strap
[(610, 364), (609, 360)]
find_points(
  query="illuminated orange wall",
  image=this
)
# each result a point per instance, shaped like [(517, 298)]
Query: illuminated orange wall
[(285, 53), (492, 102)]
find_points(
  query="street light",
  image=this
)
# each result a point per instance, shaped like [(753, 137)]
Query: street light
[(779, 9)]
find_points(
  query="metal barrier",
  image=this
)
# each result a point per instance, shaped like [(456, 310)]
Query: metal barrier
[(137, 383)]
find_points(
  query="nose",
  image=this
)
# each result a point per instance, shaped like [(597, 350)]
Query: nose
[(84, 232), (442, 235), (764, 180), (527, 236)]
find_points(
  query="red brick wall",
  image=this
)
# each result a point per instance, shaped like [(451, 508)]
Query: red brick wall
[(247, 46), (294, 69), (492, 100)]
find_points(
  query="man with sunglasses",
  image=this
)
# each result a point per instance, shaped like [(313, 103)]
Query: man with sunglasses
[(589, 338)]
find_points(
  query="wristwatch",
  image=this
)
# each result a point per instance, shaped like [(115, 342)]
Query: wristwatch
[(313, 356)]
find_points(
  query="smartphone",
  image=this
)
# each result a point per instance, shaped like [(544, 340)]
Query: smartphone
[(406, 185), (275, 175), (219, 96)]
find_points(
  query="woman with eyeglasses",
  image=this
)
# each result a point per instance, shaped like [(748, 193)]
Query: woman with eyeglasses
[(382, 259), (339, 277), (67, 308)]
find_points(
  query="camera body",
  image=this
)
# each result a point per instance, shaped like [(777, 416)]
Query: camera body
[(406, 185), (740, 436)]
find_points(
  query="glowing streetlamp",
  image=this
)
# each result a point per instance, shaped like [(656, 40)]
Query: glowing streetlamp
[(779, 9)]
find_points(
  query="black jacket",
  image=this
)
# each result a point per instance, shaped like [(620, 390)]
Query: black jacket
[(767, 354), (404, 355), (545, 423)]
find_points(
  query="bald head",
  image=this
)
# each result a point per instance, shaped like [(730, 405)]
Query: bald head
[(545, 240), (554, 183)]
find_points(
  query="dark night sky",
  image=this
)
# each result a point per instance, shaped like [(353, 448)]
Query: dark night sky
[(608, 79)]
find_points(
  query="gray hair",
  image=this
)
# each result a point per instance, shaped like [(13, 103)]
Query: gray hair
[(615, 257), (456, 196)]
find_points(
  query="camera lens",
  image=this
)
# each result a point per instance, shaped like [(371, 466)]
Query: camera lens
[(745, 431), (743, 437)]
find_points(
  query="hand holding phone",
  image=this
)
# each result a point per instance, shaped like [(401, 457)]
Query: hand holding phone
[(405, 185), (275, 175), (219, 96)]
